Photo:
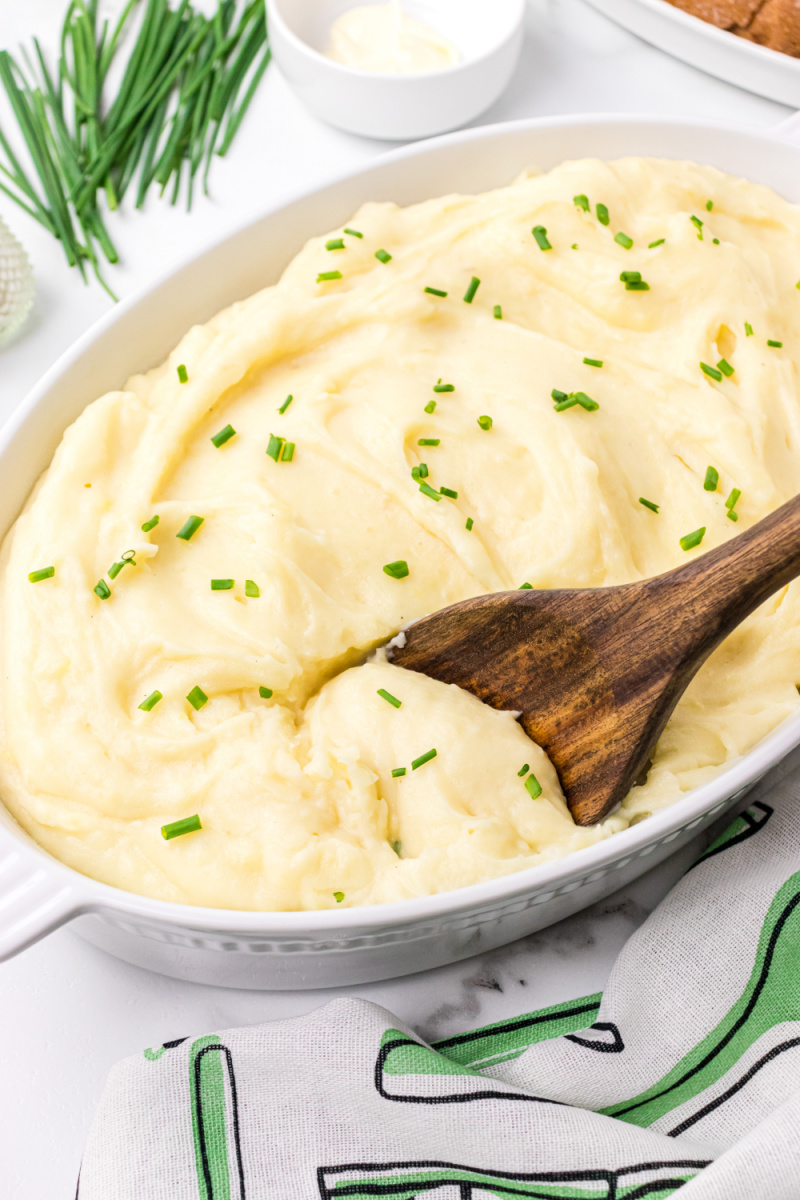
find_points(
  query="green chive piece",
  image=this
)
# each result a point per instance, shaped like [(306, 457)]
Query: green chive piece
[(275, 446), (396, 774), (574, 246), (197, 698), (287, 453), (485, 422), (398, 846), (540, 233), (711, 480), (102, 589), (443, 387), (114, 569), (286, 404), (715, 241), (649, 504), (430, 407), (731, 515), (659, 242), (775, 345), (435, 292), (469, 294), (383, 256), (637, 285), (709, 205), (469, 524), (523, 770), (690, 540), (581, 202), (602, 214), (724, 366), (397, 570), (563, 405), (449, 492), (797, 285), (586, 402), (335, 244), (733, 499), (423, 758), (631, 276), (221, 585), (420, 472), (224, 435), (354, 233), (177, 828), (151, 701), (42, 573), (251, 589), (525, 587), (151, 524), (338, 897), (748, 329), (533, 787), (712, 372), (265, 693), (698, 224), (395, 703), (326, 276), (498, 311), (428, 441), (593, 362), (183, 375), (623, 240), (427, 490), (558, 396), (189, 528)]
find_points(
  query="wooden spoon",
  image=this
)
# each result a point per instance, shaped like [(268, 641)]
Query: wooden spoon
[(596, 672)]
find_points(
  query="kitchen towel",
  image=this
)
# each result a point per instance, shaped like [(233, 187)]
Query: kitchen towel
[(684, 1075)]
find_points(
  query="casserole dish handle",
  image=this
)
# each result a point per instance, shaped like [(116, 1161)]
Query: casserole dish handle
[(32, 902)]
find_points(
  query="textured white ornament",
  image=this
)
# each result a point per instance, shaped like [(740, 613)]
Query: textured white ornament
[(16, 284)]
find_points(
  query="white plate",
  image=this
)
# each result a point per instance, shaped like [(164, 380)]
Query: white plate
[(766, 72), (293, 950)]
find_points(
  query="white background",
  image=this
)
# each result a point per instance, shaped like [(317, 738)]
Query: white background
[(68, 1012)]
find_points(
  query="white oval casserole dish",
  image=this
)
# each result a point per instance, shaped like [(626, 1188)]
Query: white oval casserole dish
[(291, 950)]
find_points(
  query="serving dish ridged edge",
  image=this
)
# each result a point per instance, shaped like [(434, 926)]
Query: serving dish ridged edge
[(291, 950)]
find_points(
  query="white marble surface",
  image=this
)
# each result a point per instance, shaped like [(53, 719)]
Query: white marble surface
[(67, 1011)]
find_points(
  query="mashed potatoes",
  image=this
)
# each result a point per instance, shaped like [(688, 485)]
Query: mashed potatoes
[(294, 783)]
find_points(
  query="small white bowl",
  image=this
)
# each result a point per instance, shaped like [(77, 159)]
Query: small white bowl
[(399, 107)]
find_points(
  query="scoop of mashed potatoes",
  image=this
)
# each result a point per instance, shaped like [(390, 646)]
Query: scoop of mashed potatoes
[(377, 352)]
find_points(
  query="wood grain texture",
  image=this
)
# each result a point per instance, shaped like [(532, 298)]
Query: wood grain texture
[(596, 672)]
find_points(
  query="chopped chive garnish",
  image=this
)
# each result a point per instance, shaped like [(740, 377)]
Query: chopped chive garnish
[(593, 362), (469, 524), (427, 490), (42, 573), (275, 446), (797, 285), (443, 387), (469, 294), (649, 504), (586, 401), (558, 396), (197, 698), (690, 540), (428, 441), (540, 233), (326, 276), (420, 472), (189, 528), (533, 787), (574, 246), (449, 492), (485, 422), (709, 205), (251, 589), (637, 285), (287, 453), (711, 480), (581, 202), (775, 345), (435, 292), (398, 846), (265, 693), (498, 311), (748, 329), (102, 589), (698, 224), (397, 570), (423, 758), (177, 828), (224, 435), (114, 569), (602, 214), (221, 585), (731, 515), (354, 233), (335, 244), (395, 703), (430, 406), (151, 524), (338, 897), (286, 403), (563, 405), (631, 276), (525, 587), (659, 242), (733, 499), (396, 773), (383, 256), (623, 240), (712, 372), (183, 374), (151, 701), (523, 770), (715, 241), (724, 366)]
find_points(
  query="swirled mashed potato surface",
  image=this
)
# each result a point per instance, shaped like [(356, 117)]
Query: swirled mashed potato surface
[(295, 792)]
